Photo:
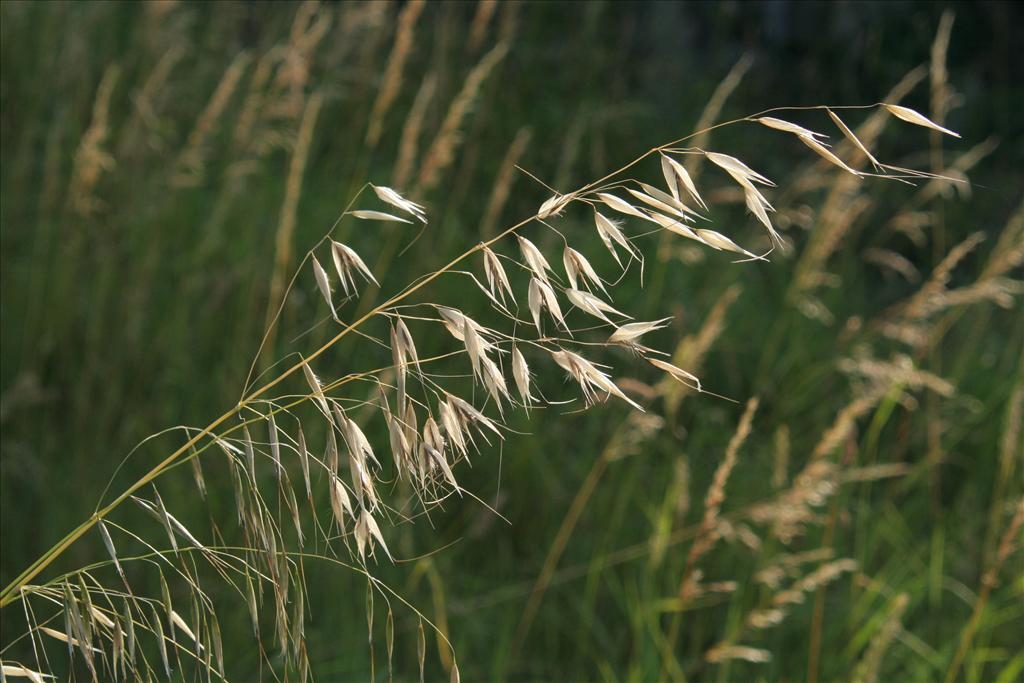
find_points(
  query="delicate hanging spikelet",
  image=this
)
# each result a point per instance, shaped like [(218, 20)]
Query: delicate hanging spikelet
[(683, 176), (389, 196), (674, 225), (367, 215), (367, 530), (534, 259), (432, 447), (677, 204), (340, 502), (611, 235), (452, 426), (521, 375), (589, 377), (736, 168), (620, 205), (472, 341), (659, 204), (405, 341), (779, 124), (676, 373), (911, 116), (589, 303), (468, 415), (454, 320), (324, 283), (554, 205), (827, 154), (629, 334), (542, 296), (495, 383), (346, 261), (497, 279), (578, 267), (318, 393), (717, 240), (853, 138), (759, 206)]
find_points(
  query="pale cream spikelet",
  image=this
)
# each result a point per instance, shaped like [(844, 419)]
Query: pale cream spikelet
[(629, 334), (346, 263), (369, 215), (589, 303), (854, 140), (578, 268), (910, 116), (323, 282), (470, 416), (535, 260), (683, 178), (610, 235), (589, 377), (472, 342), (497, 279), (541, 296), (779, 124), (367, 532), (717, 240), (827, 154), (620, 205), (495, 382), (554, 205), (736, 168), (452, 426), (675, 373), (318, 396), (521, 375), (390, 196), (671, 201), (676, 226), (658, 204)]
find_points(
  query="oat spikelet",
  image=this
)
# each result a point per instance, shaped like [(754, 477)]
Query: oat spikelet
[(611, 235), (378, 216), (852, 137), (910, 116), (347, 262), (323, 282), (671, 168), (779, 124), (390, 196), (590, 379)]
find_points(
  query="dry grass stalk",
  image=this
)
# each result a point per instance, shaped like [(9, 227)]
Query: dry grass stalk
[(503, 183), (409, 141), (91, 158), (868, 668), (289, 207), (481, 20), (191, 161), (709, 533), (442, 150), (391, 84), (990, 579)]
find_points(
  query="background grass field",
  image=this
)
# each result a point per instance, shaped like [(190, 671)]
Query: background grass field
[(160, 158)]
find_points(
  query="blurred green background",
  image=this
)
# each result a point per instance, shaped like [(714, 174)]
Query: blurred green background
[(146, 156)]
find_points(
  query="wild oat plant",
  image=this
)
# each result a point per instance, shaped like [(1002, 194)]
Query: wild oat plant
[(337, 501)]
